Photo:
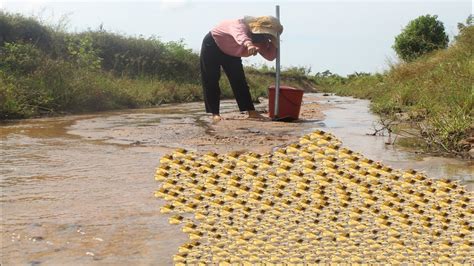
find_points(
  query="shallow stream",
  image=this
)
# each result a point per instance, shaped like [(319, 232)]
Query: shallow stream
[(79, 189), (350, 120)]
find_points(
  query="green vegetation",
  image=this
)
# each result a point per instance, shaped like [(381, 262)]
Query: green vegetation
[(45, 70), (433, 94), (422, 35)]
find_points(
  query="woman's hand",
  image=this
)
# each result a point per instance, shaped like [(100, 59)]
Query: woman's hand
[(252, 49)]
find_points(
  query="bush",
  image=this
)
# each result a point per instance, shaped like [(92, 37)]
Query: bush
[(420, 36), (138, 57), (10, 103), (81, 52), (16, 28), (19, 58)]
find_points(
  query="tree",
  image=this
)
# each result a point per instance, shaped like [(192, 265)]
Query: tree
[(469, 22), (422, 35)]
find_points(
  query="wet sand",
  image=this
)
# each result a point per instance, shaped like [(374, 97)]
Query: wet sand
[(237, 133), (188, 127)]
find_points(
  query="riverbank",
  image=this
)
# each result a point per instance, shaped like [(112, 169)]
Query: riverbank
[(430, 99)]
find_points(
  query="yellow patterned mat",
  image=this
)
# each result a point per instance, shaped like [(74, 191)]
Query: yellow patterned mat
[(312, 202)]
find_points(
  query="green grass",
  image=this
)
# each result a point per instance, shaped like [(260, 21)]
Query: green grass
[(61, 87)]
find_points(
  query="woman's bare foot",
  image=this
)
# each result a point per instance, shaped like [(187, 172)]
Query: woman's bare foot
[(216, 118), (256, 115)]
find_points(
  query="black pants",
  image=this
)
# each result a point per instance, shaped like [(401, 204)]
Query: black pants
[(212, 58)]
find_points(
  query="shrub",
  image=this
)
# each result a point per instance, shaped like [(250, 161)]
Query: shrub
[(422, 35), (16, 28), (19, 58)]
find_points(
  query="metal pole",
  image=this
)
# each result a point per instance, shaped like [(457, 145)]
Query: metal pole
[(277, 68)]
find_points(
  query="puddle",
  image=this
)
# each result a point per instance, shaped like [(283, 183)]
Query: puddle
[(79, 189)]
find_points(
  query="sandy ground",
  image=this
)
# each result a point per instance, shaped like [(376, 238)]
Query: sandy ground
[(238, 133)]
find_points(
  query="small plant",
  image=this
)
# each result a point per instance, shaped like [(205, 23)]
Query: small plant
[(83, 53)]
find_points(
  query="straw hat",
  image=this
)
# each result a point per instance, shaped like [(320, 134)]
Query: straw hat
[(264, 25)]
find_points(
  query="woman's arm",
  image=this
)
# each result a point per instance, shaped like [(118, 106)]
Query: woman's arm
[(239, 32)]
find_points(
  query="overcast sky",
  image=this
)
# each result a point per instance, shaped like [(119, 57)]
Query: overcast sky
[(342, 36)]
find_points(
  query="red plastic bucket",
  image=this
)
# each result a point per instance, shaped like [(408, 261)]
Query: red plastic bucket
[(289, 102)]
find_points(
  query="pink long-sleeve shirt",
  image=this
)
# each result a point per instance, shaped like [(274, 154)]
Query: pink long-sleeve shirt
[(233, 37)]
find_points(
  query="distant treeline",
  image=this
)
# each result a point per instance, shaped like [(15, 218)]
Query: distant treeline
[(122, 55)]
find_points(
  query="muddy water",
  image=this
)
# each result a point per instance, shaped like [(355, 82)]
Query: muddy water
[(351, 121), (79, 189), (69, 201)]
